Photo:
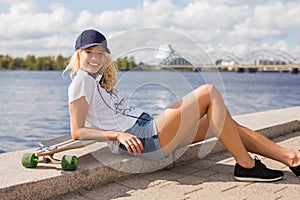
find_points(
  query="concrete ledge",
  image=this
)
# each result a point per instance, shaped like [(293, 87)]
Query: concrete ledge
[(98, 165)]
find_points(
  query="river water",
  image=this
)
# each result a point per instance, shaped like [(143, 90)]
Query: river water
[(33, 104)]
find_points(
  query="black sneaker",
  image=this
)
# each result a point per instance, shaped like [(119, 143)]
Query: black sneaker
[(296, 170), (257, 173)]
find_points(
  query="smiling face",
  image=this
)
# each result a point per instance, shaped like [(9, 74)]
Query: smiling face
[(92, 59)]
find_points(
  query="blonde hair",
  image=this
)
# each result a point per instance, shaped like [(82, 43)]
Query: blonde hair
[(109, 70)]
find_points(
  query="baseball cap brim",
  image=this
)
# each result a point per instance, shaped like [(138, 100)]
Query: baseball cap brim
[(95, 44)]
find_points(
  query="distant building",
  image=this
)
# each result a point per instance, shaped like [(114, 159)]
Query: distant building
[(179, 61), (269, 62), (225, 63), (174, 59)]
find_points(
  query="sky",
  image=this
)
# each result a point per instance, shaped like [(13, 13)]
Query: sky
[(50, 27)]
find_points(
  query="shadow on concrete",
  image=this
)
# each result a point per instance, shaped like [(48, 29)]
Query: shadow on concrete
[(214, 171)]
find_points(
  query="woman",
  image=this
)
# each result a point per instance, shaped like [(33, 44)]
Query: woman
[(98, 112)]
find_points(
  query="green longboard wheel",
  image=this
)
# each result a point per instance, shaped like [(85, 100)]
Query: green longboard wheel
[(69, 163), (29, 160)]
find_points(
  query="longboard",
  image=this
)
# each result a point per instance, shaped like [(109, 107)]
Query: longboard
[(47, 149)]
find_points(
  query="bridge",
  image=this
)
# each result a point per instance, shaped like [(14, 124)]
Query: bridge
[(174, 60), (259, 60)]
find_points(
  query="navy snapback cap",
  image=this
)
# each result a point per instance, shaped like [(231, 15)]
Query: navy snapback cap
[(89, 38)]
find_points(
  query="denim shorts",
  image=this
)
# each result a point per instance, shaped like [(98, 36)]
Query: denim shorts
[(145, 130)]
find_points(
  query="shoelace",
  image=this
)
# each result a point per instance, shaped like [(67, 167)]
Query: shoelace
[(262, 166), (256, 158)]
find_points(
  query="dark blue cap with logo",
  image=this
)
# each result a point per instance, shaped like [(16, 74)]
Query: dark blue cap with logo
[(89, 38)]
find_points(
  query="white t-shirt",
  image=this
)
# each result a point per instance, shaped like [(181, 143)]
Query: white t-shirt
[(106, 111)]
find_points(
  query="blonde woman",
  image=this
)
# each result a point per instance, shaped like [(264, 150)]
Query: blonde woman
[(97, 111)]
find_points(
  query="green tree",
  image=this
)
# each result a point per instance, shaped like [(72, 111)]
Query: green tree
[(48, 63), (38, 65), (124, 64), (30, 62), (119, 63), (131, 63), (5, 61), (16, 64), (60, 63), (1, 56)]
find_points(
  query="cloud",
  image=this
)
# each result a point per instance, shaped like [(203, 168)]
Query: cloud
[(206, 21), (42, 46), (158, 14), (232, 25), (274, 20), (26, 20)]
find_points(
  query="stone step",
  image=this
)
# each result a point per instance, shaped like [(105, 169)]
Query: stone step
[(98, 165)]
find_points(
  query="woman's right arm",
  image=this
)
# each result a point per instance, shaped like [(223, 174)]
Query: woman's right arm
[(78, 111)]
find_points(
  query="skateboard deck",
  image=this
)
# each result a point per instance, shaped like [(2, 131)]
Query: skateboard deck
[(48, 148)]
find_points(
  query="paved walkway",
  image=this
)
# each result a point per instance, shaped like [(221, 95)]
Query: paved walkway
[(207, 178)]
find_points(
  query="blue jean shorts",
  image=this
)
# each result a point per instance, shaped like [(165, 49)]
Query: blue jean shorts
[(145, 130)]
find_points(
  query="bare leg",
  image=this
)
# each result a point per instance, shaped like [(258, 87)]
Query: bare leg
[(184, 116), (253, 141), (259, 144)]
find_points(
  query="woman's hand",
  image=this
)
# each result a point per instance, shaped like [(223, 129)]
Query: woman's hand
[(131, 142)]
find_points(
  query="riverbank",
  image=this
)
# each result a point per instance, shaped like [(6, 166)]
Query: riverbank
[(98, 166)]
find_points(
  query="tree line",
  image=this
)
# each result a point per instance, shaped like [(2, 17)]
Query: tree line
[(31, 62)]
